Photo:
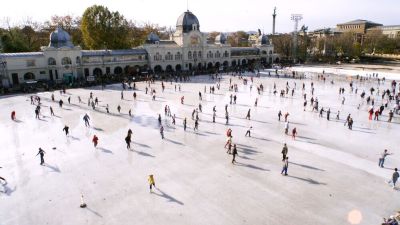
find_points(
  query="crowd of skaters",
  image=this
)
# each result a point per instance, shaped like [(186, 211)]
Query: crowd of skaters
[(388, 96)]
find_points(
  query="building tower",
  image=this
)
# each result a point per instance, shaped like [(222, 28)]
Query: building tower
[(273, 21)]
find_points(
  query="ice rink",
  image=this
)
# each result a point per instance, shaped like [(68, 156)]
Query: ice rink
[(333, 178)]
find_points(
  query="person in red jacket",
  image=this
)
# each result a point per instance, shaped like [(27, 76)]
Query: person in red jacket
[(13, 115), (95, 140)]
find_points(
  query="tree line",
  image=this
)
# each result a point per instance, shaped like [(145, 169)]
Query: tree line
[(330, 48), (97, 28)]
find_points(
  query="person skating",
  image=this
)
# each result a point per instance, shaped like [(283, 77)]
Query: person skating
[(234, 153), (248, 131), (279, 115), (184, 124), (390, 116), (287, 127), (284, 151), (328, 113), (227, 117), (286, 116), (69, 100), (248, 115), (119, 109), (159, 119), (86, 118), (337, 115), (122, 95), (196, 125), (214, 115), (151, 182), (13, 115), (66, 130), (41, 153), (294, 133), (285, 166), (173, 119), (162, 132), (128, 141), (60, 103), (37, 113), (382, 158), (95, 140), (395, 177), (376, 117)]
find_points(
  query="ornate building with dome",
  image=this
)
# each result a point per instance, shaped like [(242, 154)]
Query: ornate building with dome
[(186, 50)]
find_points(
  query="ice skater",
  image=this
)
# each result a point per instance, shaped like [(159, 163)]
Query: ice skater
[(294, 133), (248, 115), (151, 182), (284, 151), (119, 109), (162, 132), (184, 124), (86, 118), (128, 141), (234, 153), (41, 153), (95, 140), (13, 115), (395, 177), (285, 166), (382, 158), (248, 132), (66, 130), (279, 115)]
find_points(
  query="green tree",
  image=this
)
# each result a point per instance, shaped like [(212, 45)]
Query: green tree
[(102, 28)]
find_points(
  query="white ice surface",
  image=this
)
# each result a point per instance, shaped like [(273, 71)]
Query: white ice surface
[(333, 170)]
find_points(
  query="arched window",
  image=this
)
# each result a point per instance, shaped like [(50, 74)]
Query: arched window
[(217, 54), (66, 61), (157, 57), (78, 60), (51, 62), (270, 52), (29, 76), (194, 55), (168, 56), (210, 54), (189, 55), (226, 54), (178, 56)]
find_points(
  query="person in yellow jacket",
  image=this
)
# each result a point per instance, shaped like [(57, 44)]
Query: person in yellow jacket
[(151, 182)]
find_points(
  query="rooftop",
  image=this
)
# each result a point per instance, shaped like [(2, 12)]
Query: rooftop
[(359, 21), (133, 51)]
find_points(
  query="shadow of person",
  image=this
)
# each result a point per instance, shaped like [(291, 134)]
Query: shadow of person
[(308, 180), (106, 150), (53, 168), (168, 197), (251, 166), (94, 212), (143, 153), (7, 190)]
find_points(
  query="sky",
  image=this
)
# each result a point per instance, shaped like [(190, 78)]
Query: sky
[(216, 15)]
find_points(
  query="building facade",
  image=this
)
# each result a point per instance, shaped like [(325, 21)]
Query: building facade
[(186, 50)]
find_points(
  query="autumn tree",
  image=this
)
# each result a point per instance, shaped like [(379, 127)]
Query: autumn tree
[(102, 28)]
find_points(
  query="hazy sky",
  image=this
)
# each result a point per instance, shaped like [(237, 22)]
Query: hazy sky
[(220, 15)]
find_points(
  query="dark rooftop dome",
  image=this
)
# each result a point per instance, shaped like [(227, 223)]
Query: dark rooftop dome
[(186, 22), (220, 39), (263, 40), (152, 38), (60, 38)]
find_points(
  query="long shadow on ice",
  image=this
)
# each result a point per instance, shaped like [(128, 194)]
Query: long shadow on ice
[(141, 145), (174, 142), (251, 166), (306, 166), (106, 150), (168, 197), (53, 168), (143, 153), (308, 180), (94, 212)]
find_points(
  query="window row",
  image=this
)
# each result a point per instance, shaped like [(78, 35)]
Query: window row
[(64, 61)]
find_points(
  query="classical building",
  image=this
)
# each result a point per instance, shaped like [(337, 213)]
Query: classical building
[(390, 31), (186, 50)]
